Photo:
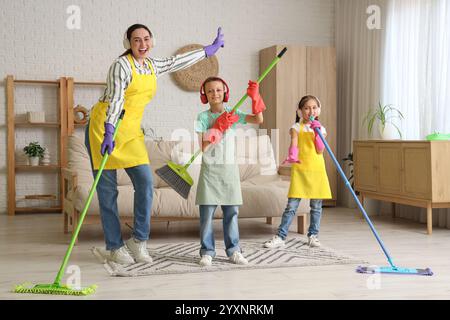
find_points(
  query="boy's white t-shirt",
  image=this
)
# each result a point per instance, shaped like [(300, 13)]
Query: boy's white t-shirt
[(307, 128)]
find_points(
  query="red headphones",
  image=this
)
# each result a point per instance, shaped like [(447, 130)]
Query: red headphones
[(204, 98)]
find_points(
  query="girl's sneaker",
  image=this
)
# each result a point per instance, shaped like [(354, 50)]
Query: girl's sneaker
[(238, 258), (313, 241), (205, 261), (276, 241)]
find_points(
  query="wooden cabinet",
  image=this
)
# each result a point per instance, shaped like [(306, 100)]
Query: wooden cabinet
[(14, 125), (408, 172), (302, 70)]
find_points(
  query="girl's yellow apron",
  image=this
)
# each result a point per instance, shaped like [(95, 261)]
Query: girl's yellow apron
[(309, 178), (129, 148)]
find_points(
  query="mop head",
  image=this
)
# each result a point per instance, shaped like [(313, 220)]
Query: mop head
[(177, 177), (54, 289), (395, 270)]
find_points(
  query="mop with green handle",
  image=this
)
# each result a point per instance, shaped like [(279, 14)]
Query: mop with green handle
[(392, 268), (56, 287), (176, 175)]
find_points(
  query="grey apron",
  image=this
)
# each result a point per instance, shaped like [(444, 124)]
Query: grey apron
[(219, 181)]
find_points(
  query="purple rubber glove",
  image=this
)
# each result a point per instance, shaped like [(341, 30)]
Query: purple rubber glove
[(317, 140), (292, 156), (108, 143), (218, 42)]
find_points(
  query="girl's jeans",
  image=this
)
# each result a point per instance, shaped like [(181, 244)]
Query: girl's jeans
[(289, 213)]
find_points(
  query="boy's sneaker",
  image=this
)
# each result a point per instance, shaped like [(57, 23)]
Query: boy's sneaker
[(238, 258), (121, 256), (205, 261), (276, 241), (139, 250), (313, 241)]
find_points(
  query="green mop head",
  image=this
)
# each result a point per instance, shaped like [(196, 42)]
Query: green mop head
[(54, 289)]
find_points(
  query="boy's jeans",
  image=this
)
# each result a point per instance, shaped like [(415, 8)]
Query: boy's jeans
[(230, 230)]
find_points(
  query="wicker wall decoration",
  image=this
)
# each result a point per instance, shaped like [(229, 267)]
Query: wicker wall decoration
[(190, 79), (80, 115)]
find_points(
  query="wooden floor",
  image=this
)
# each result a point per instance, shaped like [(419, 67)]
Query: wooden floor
[(32, 246)]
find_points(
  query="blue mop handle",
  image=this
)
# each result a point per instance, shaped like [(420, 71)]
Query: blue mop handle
[(348, 185)]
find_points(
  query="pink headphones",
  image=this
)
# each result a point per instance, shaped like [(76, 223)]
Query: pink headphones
[(204, 98)]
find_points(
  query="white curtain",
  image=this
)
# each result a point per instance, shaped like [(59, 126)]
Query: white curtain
[(416, 75), (358, 49), (416, 66)]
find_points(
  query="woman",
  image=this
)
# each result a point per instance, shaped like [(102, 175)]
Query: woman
[(131, 85)]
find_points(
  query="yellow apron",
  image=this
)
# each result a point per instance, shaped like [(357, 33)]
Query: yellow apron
[(309, 178), (130, 148)]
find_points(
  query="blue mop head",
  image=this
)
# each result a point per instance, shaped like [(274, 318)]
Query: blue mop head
[(395, 270)]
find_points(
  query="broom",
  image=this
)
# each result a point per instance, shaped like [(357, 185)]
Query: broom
[(176, 175), (389, 269), (56, 287)]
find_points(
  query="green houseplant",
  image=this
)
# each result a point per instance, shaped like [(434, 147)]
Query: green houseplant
[(34, 151), (384, 115)]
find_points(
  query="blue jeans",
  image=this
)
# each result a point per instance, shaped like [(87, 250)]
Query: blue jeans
[(290, 211), (142, 179), (230, 229)]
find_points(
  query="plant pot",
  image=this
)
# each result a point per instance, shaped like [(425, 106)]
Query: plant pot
[(389, 132), (34, 161)]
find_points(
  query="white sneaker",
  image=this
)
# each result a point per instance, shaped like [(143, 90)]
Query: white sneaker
[(205, 261), (139, 250), (276, 241), (121, 256), (313, 241), (238, 258)]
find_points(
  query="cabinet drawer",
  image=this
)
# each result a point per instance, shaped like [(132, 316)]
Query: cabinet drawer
[(417, 171), (390, 168), (365, 171)]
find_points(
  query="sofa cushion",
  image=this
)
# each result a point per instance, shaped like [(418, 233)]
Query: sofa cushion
[(255, 157), (78, 160)]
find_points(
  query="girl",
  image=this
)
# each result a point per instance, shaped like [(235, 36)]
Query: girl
[(219, 182), (131, 85), (308, 175)]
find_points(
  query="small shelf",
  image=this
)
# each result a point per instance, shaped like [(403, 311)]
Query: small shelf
[(51, 82), (50, 167), (38, 209), (37, 124), (16, 123), (47, 197)]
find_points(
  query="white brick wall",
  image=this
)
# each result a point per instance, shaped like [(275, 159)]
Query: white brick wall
[(36, 44)]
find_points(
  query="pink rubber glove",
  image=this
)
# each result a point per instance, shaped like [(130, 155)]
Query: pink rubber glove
[(108, 144), (292, 156), (222, 124), (257, 101), (317, 140)]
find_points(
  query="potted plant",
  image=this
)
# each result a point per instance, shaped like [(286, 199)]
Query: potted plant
[(384, 114), (34, 151)]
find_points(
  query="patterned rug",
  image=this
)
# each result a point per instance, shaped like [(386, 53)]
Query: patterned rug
[(183, 258)]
